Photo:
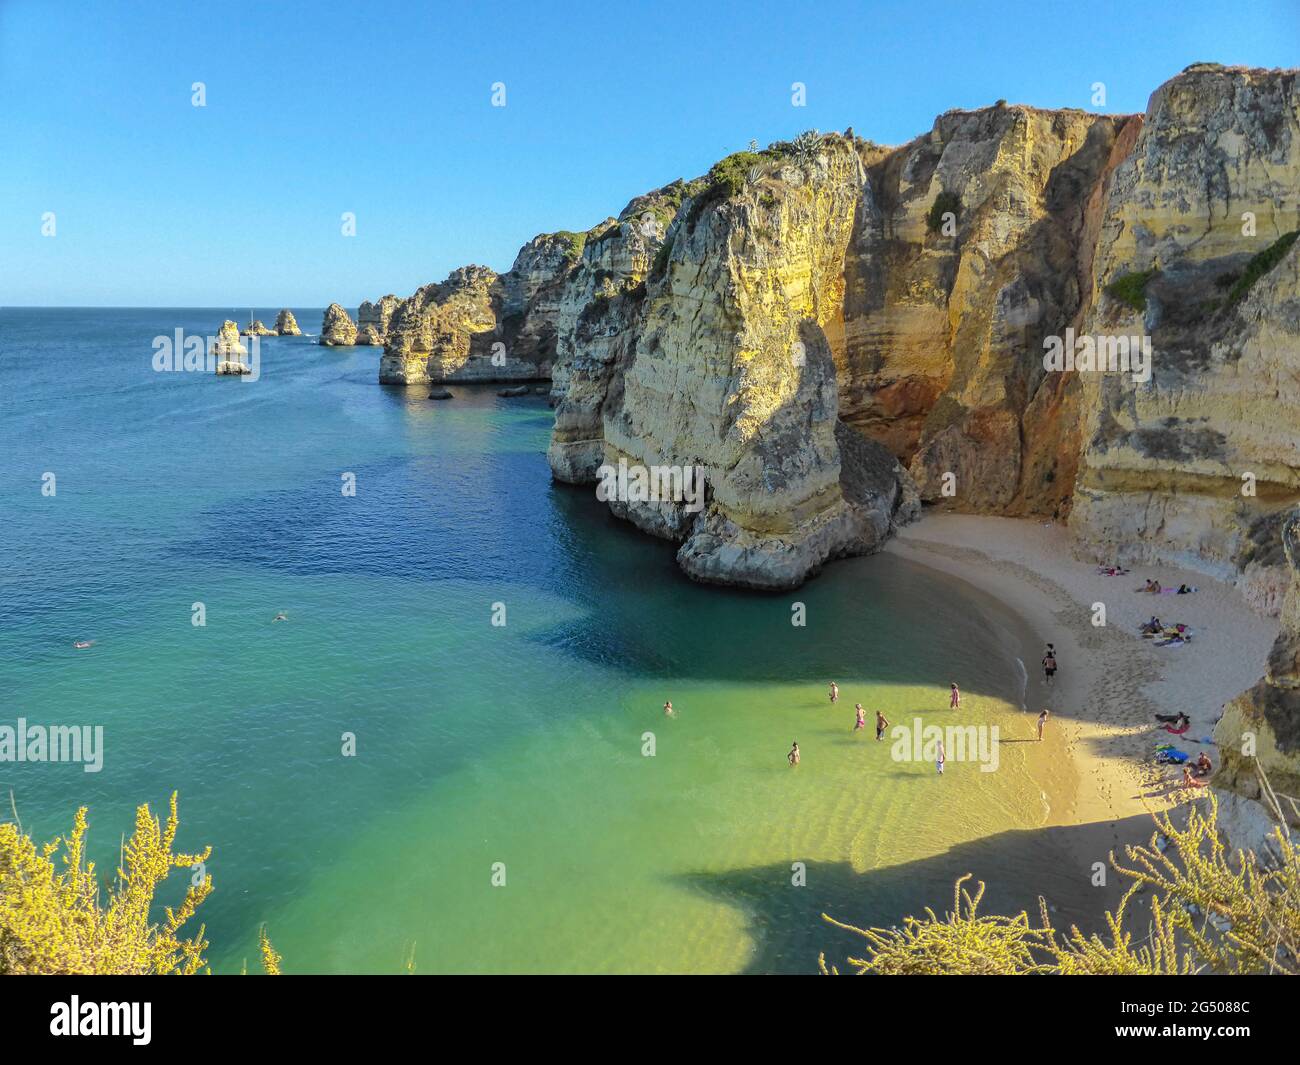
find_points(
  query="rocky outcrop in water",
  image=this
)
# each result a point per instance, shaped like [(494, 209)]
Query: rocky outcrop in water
[(482, 326), (373, 320), (337, 329), (230, 354), (256, 328), (286, 325)]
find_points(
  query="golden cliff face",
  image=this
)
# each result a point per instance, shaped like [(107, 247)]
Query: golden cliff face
[(965, 255), (1260, 729), (596, 326), (1193, 465), (732, 372)]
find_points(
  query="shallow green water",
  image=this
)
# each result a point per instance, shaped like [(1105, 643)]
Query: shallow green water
[(475, 744)]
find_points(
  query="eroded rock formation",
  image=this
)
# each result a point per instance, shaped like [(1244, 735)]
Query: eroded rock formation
[(1260, 729), (1195, 465), (286, 325), (337, 328), (230, 353), (373, 320)]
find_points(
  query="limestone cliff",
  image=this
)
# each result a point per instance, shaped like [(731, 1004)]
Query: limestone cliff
[(337, 329), (446, 322), (599, 314), (1260, 729), (732, 371), (256, 328), (286, 325), (373, 320), (482, 326), (1196, 465), (966, 252)]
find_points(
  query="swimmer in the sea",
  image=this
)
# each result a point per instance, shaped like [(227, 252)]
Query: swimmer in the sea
[(835, 692), (668, 710), (280, 617)]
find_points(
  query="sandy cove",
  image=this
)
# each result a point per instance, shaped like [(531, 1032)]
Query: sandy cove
[(1111, 680)]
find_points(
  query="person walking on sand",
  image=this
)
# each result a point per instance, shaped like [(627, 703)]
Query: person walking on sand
[(862, 717), (668, 710), (954, 701), (1049, 664), (940, 758), (793, 756), (881, 725), (835, 692), (1042, 720)]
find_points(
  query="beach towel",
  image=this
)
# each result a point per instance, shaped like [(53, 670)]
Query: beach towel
[(1172, 757), (1176, 731)]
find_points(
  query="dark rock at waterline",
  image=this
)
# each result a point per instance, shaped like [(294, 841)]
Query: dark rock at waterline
[(439, 393), (521, 390)]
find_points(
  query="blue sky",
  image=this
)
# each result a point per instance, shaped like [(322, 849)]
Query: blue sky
[(384, 110)]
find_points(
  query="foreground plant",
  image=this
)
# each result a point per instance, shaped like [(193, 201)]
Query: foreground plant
[(1211, 910), (54, 921)]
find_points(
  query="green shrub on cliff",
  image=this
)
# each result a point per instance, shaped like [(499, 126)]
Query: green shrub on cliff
[(1211, 910), (1131, 289), (1261, 264), (60, 921), (944, 203)]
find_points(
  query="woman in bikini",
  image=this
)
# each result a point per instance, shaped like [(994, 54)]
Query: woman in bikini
[(862, 717), (954, 701)]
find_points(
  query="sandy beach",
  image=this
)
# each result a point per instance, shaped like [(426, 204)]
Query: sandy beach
[(1111, 681)]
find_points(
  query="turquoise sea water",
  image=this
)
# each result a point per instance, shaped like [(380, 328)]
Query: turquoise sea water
[(476, 744)]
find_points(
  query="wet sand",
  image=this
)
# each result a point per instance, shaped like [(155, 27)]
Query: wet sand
[(1110, 680)]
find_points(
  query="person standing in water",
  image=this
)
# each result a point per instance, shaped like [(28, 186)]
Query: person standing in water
[(1042, 720), (668, 709), (940, 758), (835, 692), (1049, 664), (862, 717), (954, 702), (793, 756), (881, 725)]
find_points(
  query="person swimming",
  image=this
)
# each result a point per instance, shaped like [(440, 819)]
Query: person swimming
[(954, 701), (281, 617), (862, 717), (668, 709), (881, 725), (81, 645), (835, 692), (793, 756)]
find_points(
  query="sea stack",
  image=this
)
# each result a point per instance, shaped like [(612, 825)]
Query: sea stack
[(337, 330), (229, 351), (286, 325), (373, 319), (256, 328)]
